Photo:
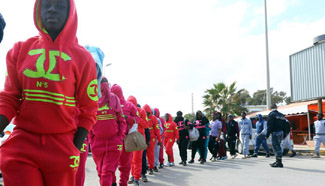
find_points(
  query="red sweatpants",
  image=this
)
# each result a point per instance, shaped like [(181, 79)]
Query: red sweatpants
[(124, 166), (169, 148), (137, 164), (222, 151), (80, 176), (151, 153), (161, 154), (31, 159), (106, 153)]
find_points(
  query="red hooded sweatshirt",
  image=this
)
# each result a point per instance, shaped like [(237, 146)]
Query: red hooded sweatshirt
[(110, 120), (129, 109), (46, 79), (153, 124), (171, 131), (142, 124), (157, 114)]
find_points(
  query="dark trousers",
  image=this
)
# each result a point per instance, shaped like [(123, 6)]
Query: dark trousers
[(182, 146), (144, 162), (276, 143), (199, 144), (232, 145), (213, 146)]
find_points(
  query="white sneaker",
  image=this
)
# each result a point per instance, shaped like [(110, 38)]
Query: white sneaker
[(167, 164), (316, 156), (172, 164), (234, 156)]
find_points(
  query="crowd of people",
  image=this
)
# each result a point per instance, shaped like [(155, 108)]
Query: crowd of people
[(61, 105)]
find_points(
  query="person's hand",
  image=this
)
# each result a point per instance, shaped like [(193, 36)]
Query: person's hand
[(250, 137), (217, 139), (259, 134)]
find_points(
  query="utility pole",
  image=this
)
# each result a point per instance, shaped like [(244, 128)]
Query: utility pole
[(268, 93)]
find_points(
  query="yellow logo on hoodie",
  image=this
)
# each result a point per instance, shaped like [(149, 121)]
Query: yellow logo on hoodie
[(92, 90), (40, 69)]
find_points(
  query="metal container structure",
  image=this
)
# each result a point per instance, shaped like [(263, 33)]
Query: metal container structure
[(307, 73)]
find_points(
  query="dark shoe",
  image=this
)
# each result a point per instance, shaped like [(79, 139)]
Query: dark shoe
[(272, 163), (144, 178), (202, 162), (161, 166), (114, 184), (267, 155), (136, 183), (181, 163), (155, 169), (199, 159), (150, 172), (131, 180), (184, 163), (254, 156), (277, 164), (293, 154), (191, 161), (211, 158)]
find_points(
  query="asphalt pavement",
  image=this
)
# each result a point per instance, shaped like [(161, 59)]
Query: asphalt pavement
[(300, 170)]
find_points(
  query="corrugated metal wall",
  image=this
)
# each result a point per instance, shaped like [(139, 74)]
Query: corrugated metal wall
[(307, 73)]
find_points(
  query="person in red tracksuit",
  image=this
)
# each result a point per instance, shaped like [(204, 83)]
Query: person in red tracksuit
[(154, 135), (161, 151), (171, 134), (137, 155), (131, 115), (47, 76), (106, 137)]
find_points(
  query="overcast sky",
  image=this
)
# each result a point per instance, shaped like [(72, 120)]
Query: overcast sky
[(162, 51)]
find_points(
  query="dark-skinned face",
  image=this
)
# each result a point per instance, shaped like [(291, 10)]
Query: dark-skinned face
[(319, 116), (231, 118), (167, 117), (54, 15), (214, 116), (243, 115)]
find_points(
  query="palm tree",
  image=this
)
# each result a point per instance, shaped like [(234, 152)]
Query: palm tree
[(224, 99)]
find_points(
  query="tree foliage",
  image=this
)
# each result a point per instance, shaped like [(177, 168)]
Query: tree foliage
[(259, 97), (225, 99)]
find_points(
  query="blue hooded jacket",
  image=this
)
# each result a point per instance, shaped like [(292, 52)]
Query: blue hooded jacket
[(98, 56)]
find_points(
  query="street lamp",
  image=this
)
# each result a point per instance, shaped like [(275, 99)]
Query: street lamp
[(268, 93), (109, 64)]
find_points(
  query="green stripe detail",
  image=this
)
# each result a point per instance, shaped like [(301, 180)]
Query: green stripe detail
[(43, 100), (42, 91), (45, 96)]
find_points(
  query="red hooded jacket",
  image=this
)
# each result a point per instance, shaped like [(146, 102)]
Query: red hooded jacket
[(153, 124), (171, 131), (129, 109), (110, 120), (46, 79), (142, 124), (157, 114)]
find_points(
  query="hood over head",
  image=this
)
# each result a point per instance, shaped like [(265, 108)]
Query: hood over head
[(260, 118), (143, 114), (147, 108), (157, 112), (68, 34), (98, 56), (109, 98), (170, 119), (117, 90), (133, 100)]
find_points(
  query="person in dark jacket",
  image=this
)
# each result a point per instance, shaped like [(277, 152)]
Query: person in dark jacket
[(199, 124), (2, 26), (232, 135), (183, 125), (276, 126)]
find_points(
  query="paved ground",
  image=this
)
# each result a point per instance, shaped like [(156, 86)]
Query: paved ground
[(298, 171)]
